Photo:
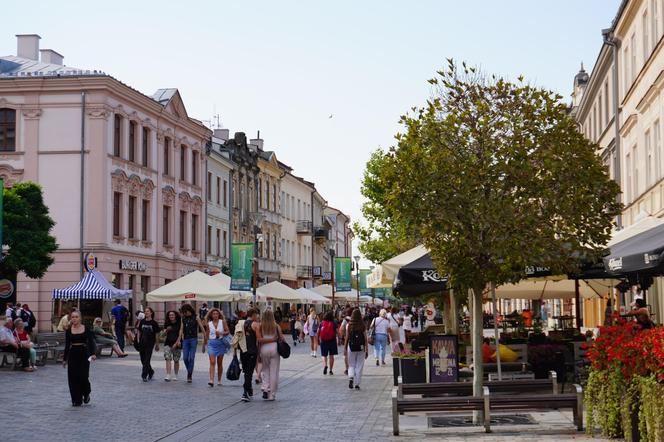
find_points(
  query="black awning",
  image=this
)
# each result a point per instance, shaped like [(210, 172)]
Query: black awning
[(641, 253), (418, 278)]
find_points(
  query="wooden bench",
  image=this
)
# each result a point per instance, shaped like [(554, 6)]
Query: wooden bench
[(54, 343), (99, 347)]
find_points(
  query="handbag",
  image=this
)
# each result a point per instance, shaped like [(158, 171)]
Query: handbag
[(282, 347), (233, 371), (372, 336)]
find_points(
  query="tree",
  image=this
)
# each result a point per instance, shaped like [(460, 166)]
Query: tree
[(382, 237), (494, 176), (27, 226)]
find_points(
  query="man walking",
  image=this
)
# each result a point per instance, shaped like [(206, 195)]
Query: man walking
[(121, 315)]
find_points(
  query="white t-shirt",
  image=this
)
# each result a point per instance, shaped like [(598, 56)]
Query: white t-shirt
[(381, 325), (407, 322), (213, 329)]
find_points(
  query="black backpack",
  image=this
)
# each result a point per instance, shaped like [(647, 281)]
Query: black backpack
[(124, 315), (356, 340)]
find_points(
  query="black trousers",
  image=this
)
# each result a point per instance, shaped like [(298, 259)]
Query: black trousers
[(78, 371), (146, 356), (248, 361), (293, 330), (22, 353)]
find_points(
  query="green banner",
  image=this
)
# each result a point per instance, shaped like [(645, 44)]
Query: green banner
[(242, 260), (342, 274), (363, 282)]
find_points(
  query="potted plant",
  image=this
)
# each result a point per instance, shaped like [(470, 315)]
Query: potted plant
[(410, 365)]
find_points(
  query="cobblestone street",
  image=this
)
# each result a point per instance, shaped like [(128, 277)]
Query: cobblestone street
[(309, 406)]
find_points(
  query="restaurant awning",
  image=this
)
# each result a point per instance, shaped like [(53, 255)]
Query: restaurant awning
[(196, 286), (311, 297), (547, 289), (639, 253), (418, 278), (383, 275), (326, 290), (276, 291), (92, 286)]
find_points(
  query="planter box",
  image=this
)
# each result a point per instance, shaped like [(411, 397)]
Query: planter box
[(413, 371)]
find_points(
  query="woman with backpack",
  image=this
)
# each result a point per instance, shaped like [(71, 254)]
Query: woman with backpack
[(379, 328), (312, 330), (327, 335), (357, 346)]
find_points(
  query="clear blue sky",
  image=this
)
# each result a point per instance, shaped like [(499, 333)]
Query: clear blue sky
[(283, 67)]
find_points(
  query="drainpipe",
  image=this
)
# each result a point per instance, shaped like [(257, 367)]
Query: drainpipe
[(82, 213), (614, 42)]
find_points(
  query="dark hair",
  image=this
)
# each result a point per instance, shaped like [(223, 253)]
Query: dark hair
[(329, 316), (252, 311), (187, 308), (356, 323), (394, 310), (151, 311), (167, 320), (640, 302), (117, 301)]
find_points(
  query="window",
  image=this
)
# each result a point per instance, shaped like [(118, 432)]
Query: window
[(219, 190), (208, 240), (167, 154), (117, 135), (274, 197), (145, 154), (145, 284), (292, 207), (116, 280), (132, 217), (145, 219), (166, 225), (626, 69), (655, 22), (606, 102), (267, 246), (209, 186), (632, 73), (183, 228), (194, 168), (657, 148), (646, 37), (132, 141), (635, 174), (274, 246), (225, 244), (183, 163), (600, 111), (225, 192), (219, 242), (130, 282), (194, 232), (117, 213), (649, 160), (628, 178), (267, 195), (283, 250)]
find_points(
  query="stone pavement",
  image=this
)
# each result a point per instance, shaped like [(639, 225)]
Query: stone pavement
[(309, 406)]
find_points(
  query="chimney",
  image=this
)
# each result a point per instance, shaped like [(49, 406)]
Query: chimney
[(51, 57), (240, 138), (258, 142), (223, 134), (27, 46)]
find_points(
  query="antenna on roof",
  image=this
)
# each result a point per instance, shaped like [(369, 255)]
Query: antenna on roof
[(217, 121), (259, 135)]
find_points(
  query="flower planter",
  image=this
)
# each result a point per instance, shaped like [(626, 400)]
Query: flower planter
[(413, 371)]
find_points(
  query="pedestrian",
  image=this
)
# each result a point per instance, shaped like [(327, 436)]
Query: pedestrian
[(191, 325), (203, 312), (268, 335), (21, 333), (28, 317), (79, 351), (292, 316), (147, 333), (301, 321), (278, 316), (121, 316), (356, 342), (247, 331), (342, 335), (63, 325), (380, 327), (218, 343), (408, 322), (328, 341), (395, 329), (9, 311), (11, 344), (172, 345), (103, 337), (312, 328), (259, 365)]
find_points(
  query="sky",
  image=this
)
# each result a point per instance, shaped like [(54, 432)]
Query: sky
[(324, 82)]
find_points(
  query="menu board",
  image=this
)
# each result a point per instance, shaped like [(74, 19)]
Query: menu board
[(443, 358)]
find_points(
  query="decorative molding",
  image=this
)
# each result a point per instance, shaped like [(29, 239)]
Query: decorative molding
[(31, 113), (168, 196), (10, 175), (629, 123), (98, 113)]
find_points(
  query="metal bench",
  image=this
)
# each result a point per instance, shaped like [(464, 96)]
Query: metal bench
[(99, 347), (9, 358), (54, 343)]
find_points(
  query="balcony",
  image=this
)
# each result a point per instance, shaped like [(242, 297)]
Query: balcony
[(321, 234), (304, 272), (303, 227)]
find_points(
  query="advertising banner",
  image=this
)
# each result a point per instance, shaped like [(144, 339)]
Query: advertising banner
[(242, 260), (342, 275), (363, 282), (443, 358)]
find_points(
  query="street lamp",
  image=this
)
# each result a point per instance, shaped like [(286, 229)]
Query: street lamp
[(258, 236), (330, 245), (357, 276)]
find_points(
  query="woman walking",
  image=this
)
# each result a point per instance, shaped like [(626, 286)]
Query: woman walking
[(189, 337), (312, 330), (172, 345), (218, 343), (292, 315), (103, 337), (358, 348), (147, 332), (268, 336), (328, 341), (79, 351), (380, 326), (395, 329)]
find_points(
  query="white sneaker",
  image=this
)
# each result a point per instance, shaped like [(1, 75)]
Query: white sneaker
[(167, 378), (174, 377)]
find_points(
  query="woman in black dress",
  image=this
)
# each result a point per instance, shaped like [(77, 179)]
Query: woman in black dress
[(147, 332), (80, 349)]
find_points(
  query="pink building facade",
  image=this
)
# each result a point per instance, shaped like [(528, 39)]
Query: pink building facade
[(142, 206)]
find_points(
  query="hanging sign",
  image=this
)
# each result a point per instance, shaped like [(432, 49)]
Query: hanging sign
[(90, 261), (242, 260), (342, 275)]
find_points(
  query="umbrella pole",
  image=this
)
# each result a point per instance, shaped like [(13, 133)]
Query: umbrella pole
[(577, 301), (495, 331)]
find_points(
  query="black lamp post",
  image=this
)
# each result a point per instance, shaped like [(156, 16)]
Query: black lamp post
[(357, 276)]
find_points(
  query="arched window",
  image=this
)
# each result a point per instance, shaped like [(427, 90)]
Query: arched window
[(7, 130)]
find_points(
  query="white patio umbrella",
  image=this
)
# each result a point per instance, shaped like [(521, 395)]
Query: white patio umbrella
[(326, 290), (238, 295), (276, 291), (311, 297), (194, 286), (384, 274), (546, 289)]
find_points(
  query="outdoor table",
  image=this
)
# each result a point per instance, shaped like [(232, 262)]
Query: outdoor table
[(564, 322)]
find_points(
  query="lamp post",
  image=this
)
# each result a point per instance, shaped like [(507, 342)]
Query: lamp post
[(330, 244), (258, 235), (357, 277)]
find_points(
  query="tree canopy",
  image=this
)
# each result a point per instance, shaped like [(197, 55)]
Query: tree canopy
[(26, 230)]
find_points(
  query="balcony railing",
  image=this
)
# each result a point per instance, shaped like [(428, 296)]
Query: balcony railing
[(321, 233), (304, 271), (303, 227)]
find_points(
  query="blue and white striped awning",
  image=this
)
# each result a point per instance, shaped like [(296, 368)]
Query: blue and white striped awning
[(92, 286)]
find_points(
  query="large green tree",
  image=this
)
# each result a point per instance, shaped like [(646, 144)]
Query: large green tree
[(494, 176), (26, 230)]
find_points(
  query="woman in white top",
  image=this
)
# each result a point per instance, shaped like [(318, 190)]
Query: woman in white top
[(312, 330), (218, 342), (380, 326)]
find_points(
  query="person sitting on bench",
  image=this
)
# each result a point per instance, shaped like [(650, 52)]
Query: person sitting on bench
[(9, 343), (105, 338)]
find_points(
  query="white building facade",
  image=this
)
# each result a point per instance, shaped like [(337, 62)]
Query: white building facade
[(219, 179)]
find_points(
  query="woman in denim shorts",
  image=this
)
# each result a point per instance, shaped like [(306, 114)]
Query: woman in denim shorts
[(172, 347)]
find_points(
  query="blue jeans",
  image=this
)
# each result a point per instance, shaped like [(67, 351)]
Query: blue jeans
[(120, 335), (189, 353), (380, 345)]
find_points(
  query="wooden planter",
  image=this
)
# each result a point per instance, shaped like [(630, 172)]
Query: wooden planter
[(412, 371)]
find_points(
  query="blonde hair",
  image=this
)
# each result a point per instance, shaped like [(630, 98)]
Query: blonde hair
[(383, 313), (312, 312), (208, 317), (268, 324)]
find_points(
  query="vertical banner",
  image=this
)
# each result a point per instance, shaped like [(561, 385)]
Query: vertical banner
[(443, 358), (2, 195), (242, 259), (364, 291), (342, 274)]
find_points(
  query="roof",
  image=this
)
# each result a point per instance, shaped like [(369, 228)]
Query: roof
[(164, 96), (13, 66)]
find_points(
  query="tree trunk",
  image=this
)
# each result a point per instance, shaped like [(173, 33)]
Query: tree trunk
[(453, 317), (477, 339)]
